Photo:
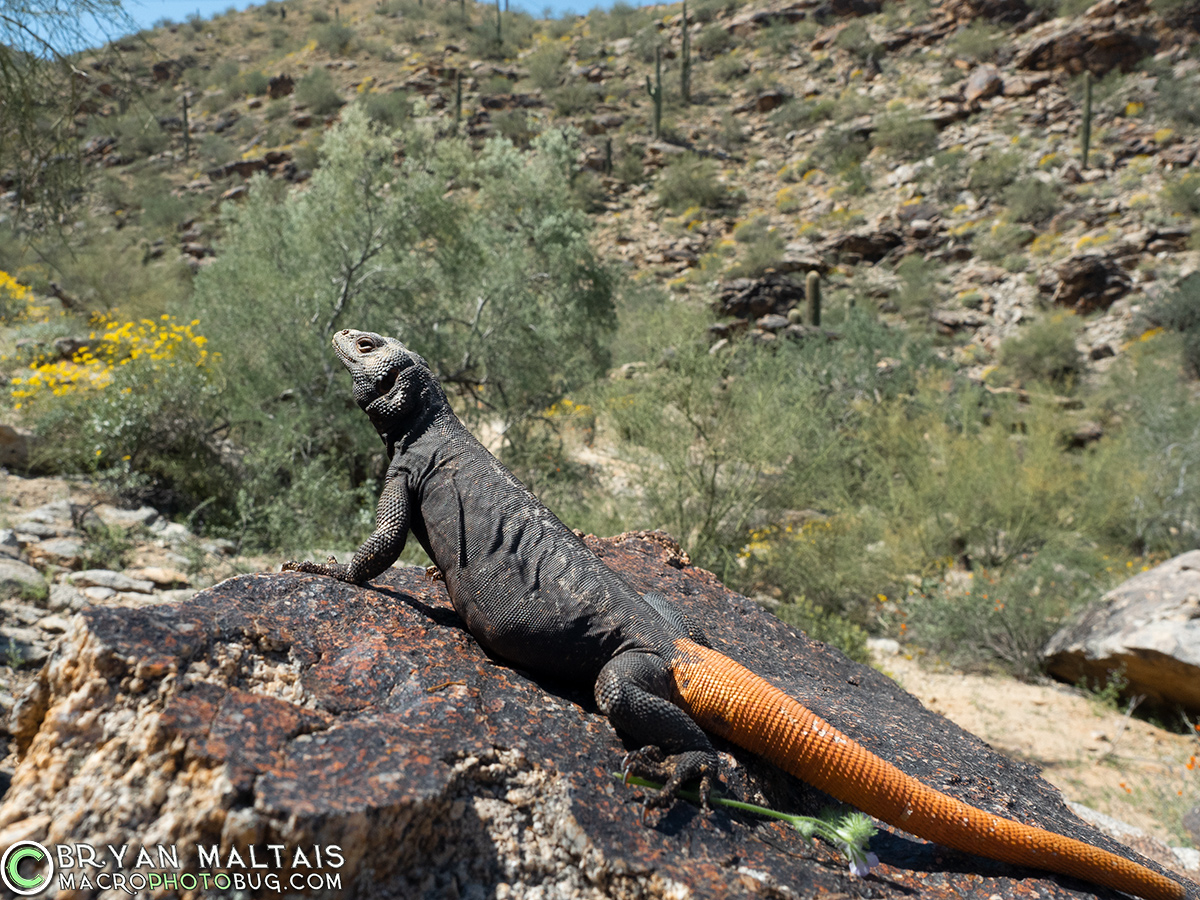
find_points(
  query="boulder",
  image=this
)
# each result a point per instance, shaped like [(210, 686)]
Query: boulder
[(1147, 628), (1075, 44), (1086, 282), (285, 714), (14, 446), (755, 297)]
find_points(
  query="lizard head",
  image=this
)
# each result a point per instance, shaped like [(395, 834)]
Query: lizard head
[(388, 377)]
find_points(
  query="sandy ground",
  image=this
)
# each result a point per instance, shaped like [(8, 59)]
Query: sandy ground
[(1117, 764)]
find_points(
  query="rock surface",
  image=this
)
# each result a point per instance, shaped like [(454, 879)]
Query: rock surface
[(294, 710), (1147, 628)]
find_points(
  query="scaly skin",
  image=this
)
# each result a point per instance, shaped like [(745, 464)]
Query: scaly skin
[(729, 700), (532, 593)]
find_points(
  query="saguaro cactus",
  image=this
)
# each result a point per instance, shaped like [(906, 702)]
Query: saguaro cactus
[(656, 92), (1085, 131), (499, 28), (685, 61), (457, 98), (812, 292)]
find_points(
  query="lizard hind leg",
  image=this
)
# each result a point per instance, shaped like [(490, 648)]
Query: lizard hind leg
[(632, 690)]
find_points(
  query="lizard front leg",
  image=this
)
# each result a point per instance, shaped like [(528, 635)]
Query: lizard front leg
[(378, 551), (632, 690)]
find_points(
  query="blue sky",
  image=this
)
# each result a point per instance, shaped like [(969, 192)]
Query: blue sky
[(147, 12)]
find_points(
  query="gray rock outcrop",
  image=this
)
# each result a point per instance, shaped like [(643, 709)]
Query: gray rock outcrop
[(1148, 628)]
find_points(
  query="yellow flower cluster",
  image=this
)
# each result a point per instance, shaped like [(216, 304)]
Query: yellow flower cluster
[(12, 287), (148, 342)]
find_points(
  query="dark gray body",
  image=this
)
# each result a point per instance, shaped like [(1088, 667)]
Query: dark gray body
[(526, 586)]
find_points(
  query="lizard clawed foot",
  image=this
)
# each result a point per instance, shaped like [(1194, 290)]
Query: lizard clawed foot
[(675, 770), (433, 573)]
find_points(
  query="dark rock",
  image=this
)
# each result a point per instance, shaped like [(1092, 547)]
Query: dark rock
[(280, 86), (1147, 628), (772, 322), (1087, 282), (869, 246), (1099, 46), (242, 167), (1085, 433), (1007, 11), (297, 710), (167, 70), (755, 297)]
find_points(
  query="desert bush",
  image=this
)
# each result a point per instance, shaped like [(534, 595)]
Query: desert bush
[(1004, 618), (317, 91), (904, 135), (856, 40), (1182, 195), (574, 98), (547, 67), (994, 171), (796, 114), (458, 275), (691, 180), (761, 247), (1031, 200), (712, 41), (139, 133), (141, 406), (1179, 310), (620, 21), (335, 39), (977, 42), (388, 108), (1003, 241), (1045, 351)]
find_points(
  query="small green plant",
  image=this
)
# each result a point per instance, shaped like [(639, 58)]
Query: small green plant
[(1045, 352), (856, 39), (823, 625), (1179, 311), (691, 180), (547, 67), (905, 135), (574, 98), (317, 92), (1106, 696), (105, 546), (761, 247), (389, 108), (336, 39), (1182, 195), (712, 41), (994, 171), (978, 42), (1031, 200)]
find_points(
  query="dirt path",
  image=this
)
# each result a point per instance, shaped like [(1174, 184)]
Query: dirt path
[(1123, 767)]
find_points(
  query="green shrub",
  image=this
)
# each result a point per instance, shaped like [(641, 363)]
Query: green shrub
[(1179, 310), (730, 66), (1003, 241), (920, 289), (978, 42), (856, 39), (761, 247), (386, 248), (994, 171), (795, 114), (690, 180), (712, 41), (1182, 195), (1031, 200), (1004, 617), (905, 135), (335, 39), (254, 83), (317, 92), (547, 67), (574, 98), (1045, 351), (388, 108), (829, 627), (140, 134), (620, 21)]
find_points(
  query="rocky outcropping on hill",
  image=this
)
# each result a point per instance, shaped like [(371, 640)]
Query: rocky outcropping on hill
[(1147, 630), (297, 711)]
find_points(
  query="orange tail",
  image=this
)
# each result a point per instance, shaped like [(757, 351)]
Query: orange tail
[(730, 700)]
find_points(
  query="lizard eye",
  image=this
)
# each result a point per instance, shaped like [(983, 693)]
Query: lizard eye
[(365, 345)]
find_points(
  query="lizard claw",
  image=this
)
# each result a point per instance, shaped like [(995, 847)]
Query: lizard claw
[(433, 573)]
